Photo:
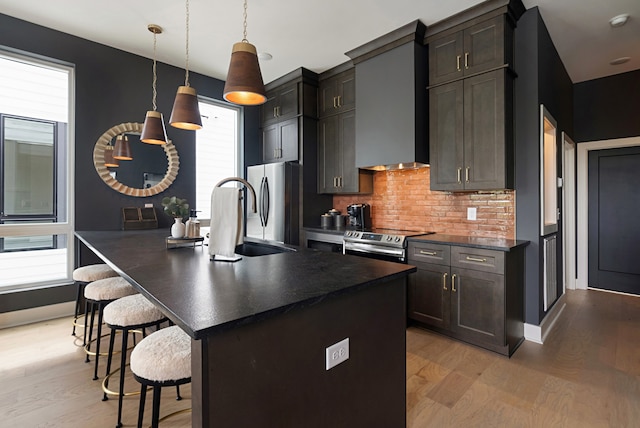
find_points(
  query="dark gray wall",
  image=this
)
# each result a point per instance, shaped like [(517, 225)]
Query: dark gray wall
[(113, 86), (542, 79), (607, 108)]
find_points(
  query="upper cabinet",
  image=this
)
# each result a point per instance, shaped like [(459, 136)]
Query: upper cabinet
[(337, 172), (337, 94), (471, 98), (289, 117), (476, 49), (281, 104)]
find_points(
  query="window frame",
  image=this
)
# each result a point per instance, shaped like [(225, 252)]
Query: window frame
[(62, 231)]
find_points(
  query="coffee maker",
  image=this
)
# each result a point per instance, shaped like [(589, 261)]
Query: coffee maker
[(359, 216)]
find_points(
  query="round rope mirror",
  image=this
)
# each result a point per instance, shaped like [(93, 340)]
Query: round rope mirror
[(133, 128)]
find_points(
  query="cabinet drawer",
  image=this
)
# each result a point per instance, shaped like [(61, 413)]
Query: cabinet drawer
[(478, 259), (429, 253)]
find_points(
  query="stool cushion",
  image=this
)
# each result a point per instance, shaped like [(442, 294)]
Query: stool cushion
[(108, 289), (131, 311), (91, 273), (164, 355)]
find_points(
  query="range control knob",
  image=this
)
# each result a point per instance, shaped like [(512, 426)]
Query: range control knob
[(348, 233), (397, 239), (389, 238)]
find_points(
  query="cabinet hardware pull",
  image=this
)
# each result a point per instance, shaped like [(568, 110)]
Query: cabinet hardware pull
[(444, 281), (476, 259), (458, 63), (459, 173), (339, 101), (340, 181), (275, 112), (428, 253), (466, 60), (453, 282), (334, 102), (466, 174)]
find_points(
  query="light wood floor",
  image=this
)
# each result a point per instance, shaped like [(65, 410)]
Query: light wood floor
[(586, 375)]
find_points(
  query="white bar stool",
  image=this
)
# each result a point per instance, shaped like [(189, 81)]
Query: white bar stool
[(127, 314), (83, 276), (97, 295), (161, 359)]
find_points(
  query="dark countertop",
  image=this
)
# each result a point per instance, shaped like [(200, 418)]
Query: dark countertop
[(471, 241), (203, 296), (331, 230)]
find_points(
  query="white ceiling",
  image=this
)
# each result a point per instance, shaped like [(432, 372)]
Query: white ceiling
[(316, 33)]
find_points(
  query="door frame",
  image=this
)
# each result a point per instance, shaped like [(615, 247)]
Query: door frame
[(583, 199), (568, 213)]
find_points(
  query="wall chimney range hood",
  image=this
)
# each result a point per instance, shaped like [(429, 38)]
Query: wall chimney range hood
[(392, 100)]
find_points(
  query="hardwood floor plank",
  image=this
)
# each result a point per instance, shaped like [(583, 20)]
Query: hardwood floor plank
[(587, 374)]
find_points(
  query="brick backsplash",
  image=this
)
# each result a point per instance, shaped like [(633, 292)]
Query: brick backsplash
[(402, 200)]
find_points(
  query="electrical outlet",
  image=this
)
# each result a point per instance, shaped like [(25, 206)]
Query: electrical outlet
[(471, 213), (337, 353), (148, 205)]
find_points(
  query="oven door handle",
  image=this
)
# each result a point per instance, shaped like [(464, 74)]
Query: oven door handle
[(372, 249)]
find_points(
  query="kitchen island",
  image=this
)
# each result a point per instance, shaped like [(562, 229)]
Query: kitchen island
[(261, 326)]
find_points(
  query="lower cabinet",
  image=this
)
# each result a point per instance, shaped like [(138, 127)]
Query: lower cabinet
[(471, 294)]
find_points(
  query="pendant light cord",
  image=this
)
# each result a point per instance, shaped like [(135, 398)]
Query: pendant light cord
[(155, 107), (186, 67), (244, 33)]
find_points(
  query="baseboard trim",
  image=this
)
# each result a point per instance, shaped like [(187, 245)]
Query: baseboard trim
[(538, 333), (42, 313)]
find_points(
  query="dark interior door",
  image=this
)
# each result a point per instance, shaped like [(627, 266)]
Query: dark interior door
[(614, 230)]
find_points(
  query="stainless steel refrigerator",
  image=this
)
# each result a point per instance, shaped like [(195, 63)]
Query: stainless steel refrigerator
[(277, 202)]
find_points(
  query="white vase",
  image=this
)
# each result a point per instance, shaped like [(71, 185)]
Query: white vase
[(177, 229)]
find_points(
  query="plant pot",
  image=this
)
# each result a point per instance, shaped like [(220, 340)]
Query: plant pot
[(177, 229)]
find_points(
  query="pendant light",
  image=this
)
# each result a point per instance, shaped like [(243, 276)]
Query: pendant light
[(153, 131), (244, 85), (186, 112), (109, 161), (122, 150)]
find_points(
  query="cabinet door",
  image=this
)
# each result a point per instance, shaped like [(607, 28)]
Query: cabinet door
[(288, 102), (268, 109), (446, 136), (270, 143), (346, 86), (327, 93), (428, 294), (484, 132), (328, 154), (484, 46), (446, 58), (477, 306), (348, 173), (289, 138)]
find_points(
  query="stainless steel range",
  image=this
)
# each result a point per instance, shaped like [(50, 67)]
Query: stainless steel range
[(385, 244)]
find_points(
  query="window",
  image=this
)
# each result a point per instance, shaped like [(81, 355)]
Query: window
[(217, 151), (35, 172)]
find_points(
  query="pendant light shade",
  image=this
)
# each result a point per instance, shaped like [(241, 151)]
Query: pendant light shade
[(109, 161), (244, 83), (122, 150), (186, 112), (153, 130)]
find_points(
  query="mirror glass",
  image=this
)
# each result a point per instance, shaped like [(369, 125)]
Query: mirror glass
[(147, 168), (152, 170)]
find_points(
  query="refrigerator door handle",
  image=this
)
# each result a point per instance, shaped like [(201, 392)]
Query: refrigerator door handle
[(265, 198), (260, 208)]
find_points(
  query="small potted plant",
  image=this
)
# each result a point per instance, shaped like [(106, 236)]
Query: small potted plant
[(178, 209)]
